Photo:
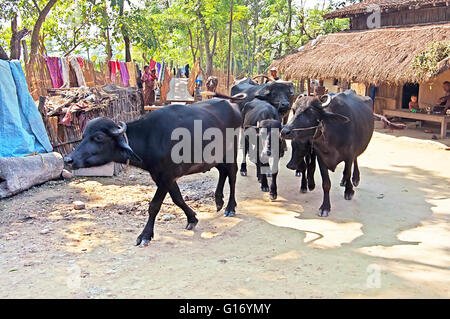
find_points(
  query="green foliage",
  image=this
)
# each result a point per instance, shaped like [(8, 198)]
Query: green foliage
[(427, 62), (178, 31)]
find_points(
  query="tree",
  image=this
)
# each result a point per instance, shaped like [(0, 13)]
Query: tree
[(37, 26)]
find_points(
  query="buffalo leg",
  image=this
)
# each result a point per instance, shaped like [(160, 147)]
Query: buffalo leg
[(311, 169), (177, 198), (223, 173), (273, 187), (303, 182), (349, 192), (153, 209), (244, 157), (326, 185), (263, 175), (230, 210), (344, 178), (355, 178)]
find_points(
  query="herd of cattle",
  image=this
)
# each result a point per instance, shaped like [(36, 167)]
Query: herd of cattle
[(332, 129)]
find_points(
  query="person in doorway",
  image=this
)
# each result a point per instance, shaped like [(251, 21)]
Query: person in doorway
[(149, 80), (413, 104)]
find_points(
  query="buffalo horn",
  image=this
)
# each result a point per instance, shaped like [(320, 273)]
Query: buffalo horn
[(328, 101), (122, 129)]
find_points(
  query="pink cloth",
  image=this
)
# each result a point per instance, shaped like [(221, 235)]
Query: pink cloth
[(80, 61), (124, 73), (152, 64), (54, 68), (112, 68)]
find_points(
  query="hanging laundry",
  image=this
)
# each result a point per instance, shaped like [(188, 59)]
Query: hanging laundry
[(78, 72), (65, 72), (158, 68), (132, 72), (54, 69), (112, 69), (152, 64), (124, 74), (80, 62)]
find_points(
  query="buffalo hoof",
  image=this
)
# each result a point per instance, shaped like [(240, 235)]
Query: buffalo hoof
[(298, 173), (265, 189), (342, 183), (303, 190), (243, 173), (311, 187), (273, 196), (229, 213), (349, 195), (191, 226), (355, 182), (144, 243), (219, 204), (323, 212)]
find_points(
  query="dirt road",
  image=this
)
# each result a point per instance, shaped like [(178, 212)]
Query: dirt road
[(392, 240)]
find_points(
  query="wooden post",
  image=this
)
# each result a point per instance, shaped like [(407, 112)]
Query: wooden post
[(229, 45), (308, 85)]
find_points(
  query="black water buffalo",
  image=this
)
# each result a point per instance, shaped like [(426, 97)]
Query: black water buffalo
[(303, 157), (261, 124), (340, 130), (149, 143), (278, 93)]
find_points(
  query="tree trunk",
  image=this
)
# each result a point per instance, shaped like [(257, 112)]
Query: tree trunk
[(126, 38), (37, 27), (194, 54), (108, 46), (16, 37)]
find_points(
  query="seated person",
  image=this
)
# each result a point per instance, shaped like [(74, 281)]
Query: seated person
[(445, 100), (413, 104)]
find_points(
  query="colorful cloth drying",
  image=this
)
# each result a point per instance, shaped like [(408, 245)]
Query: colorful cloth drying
[(54, 68), (124, 74)]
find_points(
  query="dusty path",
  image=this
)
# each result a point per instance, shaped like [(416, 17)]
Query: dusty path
[(394, 235)]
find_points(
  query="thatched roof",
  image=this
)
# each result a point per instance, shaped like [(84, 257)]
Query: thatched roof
[(385, 5), (369, 56)]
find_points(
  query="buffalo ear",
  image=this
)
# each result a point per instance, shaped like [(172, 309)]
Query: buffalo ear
[(263, 93), (126, 150), (329, 117)]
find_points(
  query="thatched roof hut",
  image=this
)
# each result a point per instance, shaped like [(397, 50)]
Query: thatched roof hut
[(369, 56), (385, 6)]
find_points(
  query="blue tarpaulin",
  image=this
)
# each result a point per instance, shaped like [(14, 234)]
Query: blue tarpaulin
[(22, 130)]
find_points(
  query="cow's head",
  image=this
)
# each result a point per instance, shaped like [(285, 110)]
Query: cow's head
[(310, 118), (279, 94), (103, 141)]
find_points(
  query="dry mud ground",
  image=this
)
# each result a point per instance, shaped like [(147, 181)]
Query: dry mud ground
[(392, 240)]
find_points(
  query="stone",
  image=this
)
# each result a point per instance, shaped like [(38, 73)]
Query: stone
[(21, 173), (168, 217), (78, 205), (45, 231)]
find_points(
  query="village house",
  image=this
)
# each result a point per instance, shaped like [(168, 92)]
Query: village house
[(376, 56)]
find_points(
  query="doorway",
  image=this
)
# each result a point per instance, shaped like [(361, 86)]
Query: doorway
[(409, 89)]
